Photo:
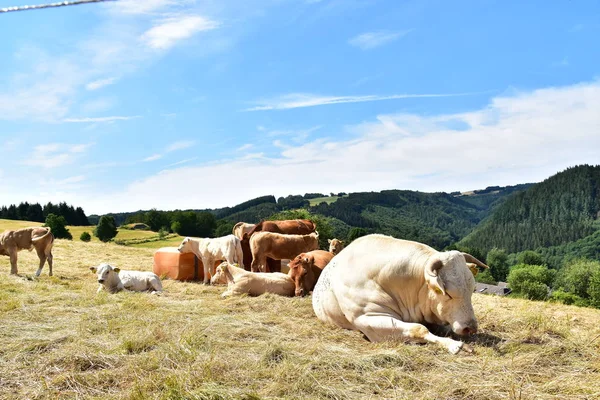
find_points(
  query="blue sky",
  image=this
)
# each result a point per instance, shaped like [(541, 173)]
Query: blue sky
[(194, 104)]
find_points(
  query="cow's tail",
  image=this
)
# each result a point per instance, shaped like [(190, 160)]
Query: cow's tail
[(49, 232)]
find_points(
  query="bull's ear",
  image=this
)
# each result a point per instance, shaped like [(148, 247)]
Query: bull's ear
[(473, 268), (93, 269), (117, 269), (328, 240), (434, 281)]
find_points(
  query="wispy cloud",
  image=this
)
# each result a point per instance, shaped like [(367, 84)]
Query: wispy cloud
[(153, 157), (187, 160), (142, 6), (101, 119), (371, 40), (408, 151), (97, 84), (245, 147), (171, 30), (52, 155), (301, 100), (180, 145)]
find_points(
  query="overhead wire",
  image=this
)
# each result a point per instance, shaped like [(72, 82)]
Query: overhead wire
[(50, 5)]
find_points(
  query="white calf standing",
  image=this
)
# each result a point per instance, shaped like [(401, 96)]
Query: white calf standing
[(240, 281), (114, 279), (210, 250)]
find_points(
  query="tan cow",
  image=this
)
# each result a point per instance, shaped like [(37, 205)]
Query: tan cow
[(240, 228), (387, 288), (306, 268), (240, 281), (279, 247), (335, 246), (40, 239)]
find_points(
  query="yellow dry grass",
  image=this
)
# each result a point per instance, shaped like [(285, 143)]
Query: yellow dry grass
[(61, 340)]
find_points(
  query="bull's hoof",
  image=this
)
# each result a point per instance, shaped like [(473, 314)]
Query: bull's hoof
[(455, 347), (206, 283)]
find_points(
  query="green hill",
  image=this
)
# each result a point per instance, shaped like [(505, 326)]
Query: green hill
[(564, 208)]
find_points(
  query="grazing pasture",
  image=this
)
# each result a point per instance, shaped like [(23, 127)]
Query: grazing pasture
[(62, 340)]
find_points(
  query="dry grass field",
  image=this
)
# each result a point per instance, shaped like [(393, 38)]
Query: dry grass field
[(61, 340)]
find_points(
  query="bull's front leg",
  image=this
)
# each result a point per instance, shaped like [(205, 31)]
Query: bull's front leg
[(386, 327)]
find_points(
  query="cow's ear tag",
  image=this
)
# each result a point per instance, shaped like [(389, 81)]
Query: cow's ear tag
[(438, 290)]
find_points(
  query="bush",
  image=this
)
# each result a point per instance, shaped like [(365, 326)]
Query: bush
[(575, 277), (485, 277), (85, 237), (594, 289), (58, 226), (106, 229), (561, 296), (162, 233), (355, 233), (497, 260), (531, 281)]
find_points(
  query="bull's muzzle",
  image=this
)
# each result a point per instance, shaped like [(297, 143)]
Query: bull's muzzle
[(469, 328), (100, 280), (300, 292)]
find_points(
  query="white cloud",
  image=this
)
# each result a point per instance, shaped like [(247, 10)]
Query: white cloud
[(522, 138), (171, 30), (371, 40), (153, 157), (301, 100), (245, 147), (187, 160), (97, 84), (101, 119), (180, 145), (54, 155)]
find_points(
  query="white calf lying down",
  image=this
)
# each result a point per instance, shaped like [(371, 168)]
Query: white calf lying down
[(240, 281), (114, 279)]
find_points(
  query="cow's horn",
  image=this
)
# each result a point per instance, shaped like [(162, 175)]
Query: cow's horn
[(470, 259)]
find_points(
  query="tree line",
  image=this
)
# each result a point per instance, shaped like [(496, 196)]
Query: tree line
[(36, 213)]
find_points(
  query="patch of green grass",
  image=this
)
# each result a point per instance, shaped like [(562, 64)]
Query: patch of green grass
[(327, 199)]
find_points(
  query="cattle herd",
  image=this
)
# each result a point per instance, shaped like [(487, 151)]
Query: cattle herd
[(384, 287)]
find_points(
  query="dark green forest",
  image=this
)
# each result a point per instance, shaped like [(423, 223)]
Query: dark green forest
[(35, 212), (562, 209)]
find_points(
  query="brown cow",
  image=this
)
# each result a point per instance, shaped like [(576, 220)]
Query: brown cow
[(289, 226), (306, 268), (11, 242), (279, 247)]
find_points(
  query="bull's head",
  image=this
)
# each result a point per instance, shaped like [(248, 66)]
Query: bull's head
[(450, 282), (335, 246), (301, 272)]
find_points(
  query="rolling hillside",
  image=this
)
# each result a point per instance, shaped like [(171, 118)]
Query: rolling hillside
[(562, 209)]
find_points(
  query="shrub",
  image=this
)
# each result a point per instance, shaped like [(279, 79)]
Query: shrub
[(106, 229), (498, 262), (531, 281), (561, 296), (58, 226), (594, 289), (85, 237), (485, 277), (575, 277), (355, 233), (530, 258)]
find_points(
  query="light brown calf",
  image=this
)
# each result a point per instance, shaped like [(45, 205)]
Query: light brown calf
[(40, 239), (240, 281)]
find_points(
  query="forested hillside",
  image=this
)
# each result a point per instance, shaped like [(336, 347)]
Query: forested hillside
[(564, 208)]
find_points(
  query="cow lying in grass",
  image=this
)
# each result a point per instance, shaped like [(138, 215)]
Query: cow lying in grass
[(306, 268), (240, 281), (114, 280), (40, 239), (387, 288)]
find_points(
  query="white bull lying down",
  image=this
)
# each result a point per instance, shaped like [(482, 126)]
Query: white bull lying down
[(114, 280), (386, 287), (239, 281), (210, 250)]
